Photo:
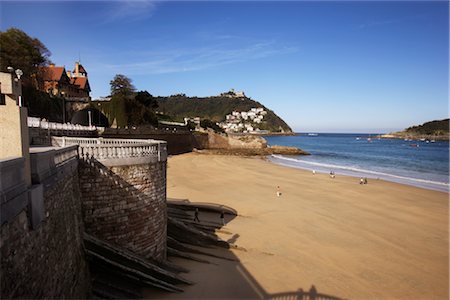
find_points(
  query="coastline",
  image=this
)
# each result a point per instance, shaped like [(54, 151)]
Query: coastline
[(414, 137), (358, 173), (382, 240)]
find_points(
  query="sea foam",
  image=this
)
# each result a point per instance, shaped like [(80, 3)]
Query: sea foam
[(358, 172)]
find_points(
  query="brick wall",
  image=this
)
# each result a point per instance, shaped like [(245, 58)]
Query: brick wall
[(126, 205), (47, 262)]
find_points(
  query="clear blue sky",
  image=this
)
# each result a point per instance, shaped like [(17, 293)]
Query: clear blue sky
[(365, 66)]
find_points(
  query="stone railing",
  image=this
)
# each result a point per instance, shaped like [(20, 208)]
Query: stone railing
[(116, 152), (65, 154), (45, 161), (44, 124)]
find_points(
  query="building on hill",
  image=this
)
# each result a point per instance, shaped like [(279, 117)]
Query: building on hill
[(73, 86), (55, 80), (244, 121), (79, 70), (233, 94)]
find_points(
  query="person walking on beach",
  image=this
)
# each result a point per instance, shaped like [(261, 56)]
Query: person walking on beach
[(332, 174), (196, 219), (222, 217), (278, 191), (361, 180), (365, 180)]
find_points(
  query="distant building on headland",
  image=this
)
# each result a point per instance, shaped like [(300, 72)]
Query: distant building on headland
[(71, 85), (195, 121), (233, 94)]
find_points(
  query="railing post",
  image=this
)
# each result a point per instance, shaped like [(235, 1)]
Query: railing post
[(159, 151)]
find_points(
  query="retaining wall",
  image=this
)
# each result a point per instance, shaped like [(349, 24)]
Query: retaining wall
[(177, 142), (126, 205), (42, 253)]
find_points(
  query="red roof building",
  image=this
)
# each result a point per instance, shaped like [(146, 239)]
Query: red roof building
[(70, 85)]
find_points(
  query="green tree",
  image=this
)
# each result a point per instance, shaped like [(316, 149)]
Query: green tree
[(206, 123), (146, 99), (121, 85), (129, 108), (20, 51)]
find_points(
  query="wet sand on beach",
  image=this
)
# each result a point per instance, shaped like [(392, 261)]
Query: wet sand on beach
[(377, 241)]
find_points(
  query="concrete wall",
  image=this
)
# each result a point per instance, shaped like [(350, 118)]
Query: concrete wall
[(42, 253), (126, 205), (13, 122), (41, 136), (177, 142), (200, 140)]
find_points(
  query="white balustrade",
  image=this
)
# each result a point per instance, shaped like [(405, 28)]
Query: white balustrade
[(106, 148), (34, 122), (42, 123)]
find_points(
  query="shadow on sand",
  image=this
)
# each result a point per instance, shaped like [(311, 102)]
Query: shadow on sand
[(216, 271)]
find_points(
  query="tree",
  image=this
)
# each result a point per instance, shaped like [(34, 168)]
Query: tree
[(121, 85), (20, 51), (206, 123), (146, 99)]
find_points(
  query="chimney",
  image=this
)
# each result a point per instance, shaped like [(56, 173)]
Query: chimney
[(77, 69), (52, 65)]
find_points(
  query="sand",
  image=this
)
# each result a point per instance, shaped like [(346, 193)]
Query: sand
[(377, 241)]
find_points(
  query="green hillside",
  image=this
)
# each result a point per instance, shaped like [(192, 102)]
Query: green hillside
[(438, 127), (433, 130), (216, 108)]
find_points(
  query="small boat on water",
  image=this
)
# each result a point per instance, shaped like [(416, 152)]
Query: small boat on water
[(312, 134), (414, 145)]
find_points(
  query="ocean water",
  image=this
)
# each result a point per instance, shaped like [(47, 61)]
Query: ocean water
[(418, 163)]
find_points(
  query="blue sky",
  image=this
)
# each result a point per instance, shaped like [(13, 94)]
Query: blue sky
[(366, 66)]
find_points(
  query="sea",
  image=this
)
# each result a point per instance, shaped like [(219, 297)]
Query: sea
[(418, 163)]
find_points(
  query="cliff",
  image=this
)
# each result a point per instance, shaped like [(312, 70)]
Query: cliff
[(247, 145)]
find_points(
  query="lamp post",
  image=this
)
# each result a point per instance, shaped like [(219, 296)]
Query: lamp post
[(90, 118), (63, 107), (19, 74)]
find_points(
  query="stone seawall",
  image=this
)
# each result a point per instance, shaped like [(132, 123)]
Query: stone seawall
[(126, 205), (47, 261), (177, 142)]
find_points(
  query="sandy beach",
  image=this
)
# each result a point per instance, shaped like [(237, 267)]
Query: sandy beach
[(377, 241)]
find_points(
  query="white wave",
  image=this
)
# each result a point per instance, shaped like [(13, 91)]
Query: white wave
[(380, 174)]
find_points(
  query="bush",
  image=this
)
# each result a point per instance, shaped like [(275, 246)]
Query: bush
[(206, 123)]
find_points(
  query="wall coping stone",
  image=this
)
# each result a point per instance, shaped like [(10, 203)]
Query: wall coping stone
[(45, 161)]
